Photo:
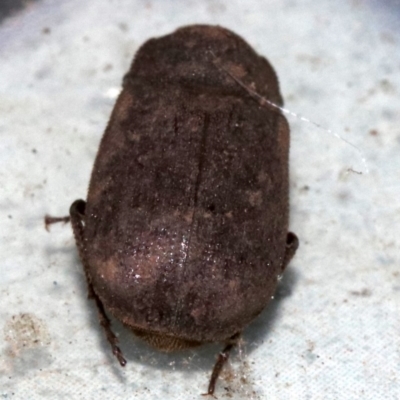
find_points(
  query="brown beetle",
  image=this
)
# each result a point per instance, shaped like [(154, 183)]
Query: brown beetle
[(185, 228)]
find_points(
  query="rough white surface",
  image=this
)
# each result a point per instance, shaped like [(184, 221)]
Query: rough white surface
[(333, 330)]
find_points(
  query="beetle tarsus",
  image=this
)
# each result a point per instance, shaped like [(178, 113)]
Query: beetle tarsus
[(106, 324), (49, 220), (221, 361)]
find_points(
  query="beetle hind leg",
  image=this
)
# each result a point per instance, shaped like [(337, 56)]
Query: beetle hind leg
[(106, 324), (77, 216), (221, 361)]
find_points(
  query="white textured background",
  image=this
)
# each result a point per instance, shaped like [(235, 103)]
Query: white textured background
[(333, 330)]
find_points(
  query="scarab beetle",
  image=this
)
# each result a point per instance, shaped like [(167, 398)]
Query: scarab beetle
[(185, 228)]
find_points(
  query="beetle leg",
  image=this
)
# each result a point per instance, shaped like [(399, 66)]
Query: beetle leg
[(222, 359), (292, 243), (77, 214), (48, 220), (106, 324)]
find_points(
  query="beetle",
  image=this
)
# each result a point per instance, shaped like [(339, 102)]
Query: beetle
[(184, 232)]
